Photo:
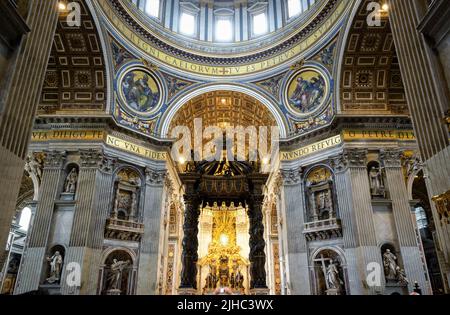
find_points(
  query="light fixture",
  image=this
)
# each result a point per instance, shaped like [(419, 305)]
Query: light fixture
[(385, 7), (182, 160), (223, 101)]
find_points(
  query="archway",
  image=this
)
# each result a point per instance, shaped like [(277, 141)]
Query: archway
[(263, 103)]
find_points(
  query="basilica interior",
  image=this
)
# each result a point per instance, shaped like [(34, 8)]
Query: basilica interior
[(348, 193)]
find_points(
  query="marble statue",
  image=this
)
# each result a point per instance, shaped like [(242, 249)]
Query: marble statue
[(390, 265), (56, 262), (34, 165), (333, 279), (401, 276), (376, 182), (115, 277), (70, 185)]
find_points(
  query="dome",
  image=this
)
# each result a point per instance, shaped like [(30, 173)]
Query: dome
[(223, 27)]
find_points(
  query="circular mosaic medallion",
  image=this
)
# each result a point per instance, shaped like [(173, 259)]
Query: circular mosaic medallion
[(307, 91), (140, 91)]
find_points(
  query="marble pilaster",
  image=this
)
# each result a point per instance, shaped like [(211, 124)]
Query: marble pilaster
[(401, 209), (367, 247), (30, 272), (147, 282), (295, 249)]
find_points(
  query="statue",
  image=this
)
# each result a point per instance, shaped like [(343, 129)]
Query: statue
[(56, 262), (376, 183), (333, 280), (34, 166), (115, 278), (211, 280), (70, 185), (390, 265), (401, 276)]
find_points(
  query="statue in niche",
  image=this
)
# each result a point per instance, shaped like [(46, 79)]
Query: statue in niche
[(55, 262), (390, 265), (401, 277), (115, 277), (333, 280), (376, 182), (70, 186)]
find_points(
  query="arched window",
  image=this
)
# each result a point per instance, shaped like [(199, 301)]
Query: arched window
[(152, 8), (421, 217), (224, 29), (25, 218), (187, 24), (294, 8), (260, 25)]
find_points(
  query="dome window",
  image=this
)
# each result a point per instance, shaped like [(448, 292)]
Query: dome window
[(152, 8), (294, 8), (260, 26), (187, 24), (224, 29)]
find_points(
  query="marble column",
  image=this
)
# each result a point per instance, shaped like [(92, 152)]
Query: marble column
[(427, 95), (78, 251), (295, 249), (21, 85), (30, 273), (404, 224), (147, 283), (367, 246), (189, 255), (348, 221)]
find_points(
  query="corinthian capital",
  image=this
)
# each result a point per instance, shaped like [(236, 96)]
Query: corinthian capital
[(155, 177), (391, 158), (54, 159), (339, 163), (90, 158), (291, 177), (356, 157), (108, 164)]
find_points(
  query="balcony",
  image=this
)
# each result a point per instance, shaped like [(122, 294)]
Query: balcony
[(323, 229), (123, 230)]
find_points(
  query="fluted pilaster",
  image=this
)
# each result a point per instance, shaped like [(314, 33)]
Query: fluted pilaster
[(403, 218), (294, 244), (153, 209), (83, 214), (30, 272), (348, 220), (368, 250)]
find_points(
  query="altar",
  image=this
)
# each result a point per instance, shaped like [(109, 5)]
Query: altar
[(223, 249)]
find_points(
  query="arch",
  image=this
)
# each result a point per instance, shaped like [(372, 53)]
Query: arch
[(182, 100), (107, 252), (339, 251)]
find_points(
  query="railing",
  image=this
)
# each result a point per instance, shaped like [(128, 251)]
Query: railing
[(323, 229), (123, 230)]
